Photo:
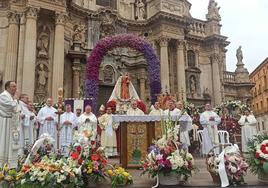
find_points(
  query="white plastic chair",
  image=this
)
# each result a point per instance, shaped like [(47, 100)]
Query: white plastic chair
[(223, 137), (200, 139)]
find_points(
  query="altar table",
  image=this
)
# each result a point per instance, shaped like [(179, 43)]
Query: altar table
[(137, 134)]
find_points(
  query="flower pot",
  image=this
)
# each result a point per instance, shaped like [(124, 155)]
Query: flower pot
[(263, 177), (169, 179)]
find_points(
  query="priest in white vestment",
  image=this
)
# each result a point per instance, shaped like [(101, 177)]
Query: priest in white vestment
[(9, 121), (108, 134), (249, 129), (156, 110), (88, 122), (47, 118), (27, 122), (184, 133), (33, 120), (68, 122), (209, 120), (134, 110), (172, 110)]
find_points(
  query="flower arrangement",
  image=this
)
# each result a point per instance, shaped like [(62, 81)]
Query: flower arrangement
[(9, 176), (119, 177), (258, 154), (52, 173), (92, 159), (235, 166), (121, 40), (166, 157)]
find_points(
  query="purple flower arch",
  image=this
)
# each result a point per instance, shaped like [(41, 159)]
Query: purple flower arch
[(121, 40)]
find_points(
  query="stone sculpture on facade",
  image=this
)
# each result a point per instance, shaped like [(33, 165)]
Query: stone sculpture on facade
[(239, 55), (192, 84), (43, 43), (78, 33), (108, 73), (42, 78), (140, 10), (213, 11), (107, 25)]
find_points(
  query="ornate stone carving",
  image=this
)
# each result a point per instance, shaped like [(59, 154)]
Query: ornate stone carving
[(193, 84), (32, 12), (43, 42), (213, 11), (172, 8), (163, 41), (180, 44), (140, 10), (79, 31), (107, 26), (60, 18), (108, 74), (13, 17)]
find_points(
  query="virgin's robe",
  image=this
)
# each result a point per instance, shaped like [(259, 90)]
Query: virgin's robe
[(248, 130)]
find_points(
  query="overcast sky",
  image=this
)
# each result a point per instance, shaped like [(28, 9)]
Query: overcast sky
[(244, 22)]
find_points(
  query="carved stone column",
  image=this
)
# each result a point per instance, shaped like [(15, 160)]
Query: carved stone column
[(58, 60), (142, 81), (28, 77), (181, 70), (216, 81), (12, 47), (21, 52), (76, 79), (164, 73)]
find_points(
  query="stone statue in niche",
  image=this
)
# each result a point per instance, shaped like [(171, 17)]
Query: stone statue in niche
[(42, 78), (78, 33), (140, 10), (239, 54), (43, 43), (108, 73), (206, 93), (192, 84)]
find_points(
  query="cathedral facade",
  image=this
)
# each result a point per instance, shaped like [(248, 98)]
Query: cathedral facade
[(44, 45)]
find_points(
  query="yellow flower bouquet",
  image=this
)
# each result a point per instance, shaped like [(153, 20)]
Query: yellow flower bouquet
[(119, 177)]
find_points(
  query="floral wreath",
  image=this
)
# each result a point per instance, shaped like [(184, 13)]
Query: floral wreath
[(121, 40)]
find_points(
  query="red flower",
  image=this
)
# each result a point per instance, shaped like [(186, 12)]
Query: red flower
[(80, 161), (104, 161), (93, 142), (94, 157), (257, 155), (78, 149), (75, 155)]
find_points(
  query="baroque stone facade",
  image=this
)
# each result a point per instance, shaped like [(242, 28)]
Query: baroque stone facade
[(44, 45)]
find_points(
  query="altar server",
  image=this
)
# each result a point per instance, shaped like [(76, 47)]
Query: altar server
[(108, 134), (68, 121), (209, 120), (249, 129)]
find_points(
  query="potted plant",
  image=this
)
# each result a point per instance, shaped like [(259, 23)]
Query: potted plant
[(258, 157)]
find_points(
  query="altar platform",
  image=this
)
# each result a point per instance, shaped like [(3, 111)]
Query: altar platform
[(201, 178)]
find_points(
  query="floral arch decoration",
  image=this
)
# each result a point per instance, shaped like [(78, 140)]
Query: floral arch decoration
[(121, 40)]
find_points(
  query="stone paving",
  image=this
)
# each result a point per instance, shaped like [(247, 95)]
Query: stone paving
[(201, 178)]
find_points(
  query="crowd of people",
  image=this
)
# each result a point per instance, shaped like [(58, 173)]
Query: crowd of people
[(21, 125)]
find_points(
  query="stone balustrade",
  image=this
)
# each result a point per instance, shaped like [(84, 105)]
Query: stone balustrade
[(229, 77), (197, 28)]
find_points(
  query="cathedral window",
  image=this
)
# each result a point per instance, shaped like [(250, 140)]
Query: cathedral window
[(191, 58), (106, 3)]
